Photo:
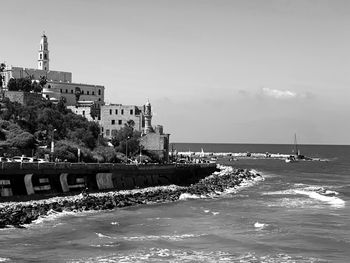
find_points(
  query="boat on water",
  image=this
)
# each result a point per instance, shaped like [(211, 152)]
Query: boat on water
[(297, 155), (290, 159)]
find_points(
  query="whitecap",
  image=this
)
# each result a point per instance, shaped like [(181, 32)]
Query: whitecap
[(115, 223), (102, 235), (186, 196), (161, 237), (215, 213), (259, 225), (206, 211), (51, 216), (332, 200), (185, 255)]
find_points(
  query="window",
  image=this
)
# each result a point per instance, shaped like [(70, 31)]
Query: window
[(107, 132), (116, 112), (99, 99), (41, 56), (71, 91), (49, 86), (88, 92), (82, 92), (131, 112), (93, 93), (45, 68), (110, 112), (122, 111), (83, 113), (99, 92), (120, 122), (113, 122), (47, 96), (102, 129), (45, 56), (66, 91), (114, 133), (61, 90)]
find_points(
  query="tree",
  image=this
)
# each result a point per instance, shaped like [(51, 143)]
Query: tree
[(25, 84), (107, 154), (21, 139), (126, 137), (34, 123), (12, 85)]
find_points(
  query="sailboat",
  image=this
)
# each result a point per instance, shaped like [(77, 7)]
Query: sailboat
[(297, 156)]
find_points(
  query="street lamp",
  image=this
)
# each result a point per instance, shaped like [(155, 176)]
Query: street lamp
[(126, 146), (52, 143)]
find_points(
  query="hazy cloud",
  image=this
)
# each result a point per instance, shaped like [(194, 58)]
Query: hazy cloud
[(284, 94), (278, 94)]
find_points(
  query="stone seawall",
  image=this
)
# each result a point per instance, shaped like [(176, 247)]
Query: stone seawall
[(35, 180), (228, 180)]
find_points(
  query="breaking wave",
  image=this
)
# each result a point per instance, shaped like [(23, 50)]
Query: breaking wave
[(151, 237), (318, 193), (186, 256), (225, 171)]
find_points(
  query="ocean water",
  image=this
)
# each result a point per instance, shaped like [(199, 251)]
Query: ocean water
[(299, 212)]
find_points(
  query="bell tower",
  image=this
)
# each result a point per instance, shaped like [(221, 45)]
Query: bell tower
[(43, 56)]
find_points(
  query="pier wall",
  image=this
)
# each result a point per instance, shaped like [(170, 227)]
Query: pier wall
[(47, 179)]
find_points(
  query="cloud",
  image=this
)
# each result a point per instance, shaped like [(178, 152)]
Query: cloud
[(279, 94)]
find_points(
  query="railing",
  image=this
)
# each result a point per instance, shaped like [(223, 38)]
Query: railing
[(92, 166)]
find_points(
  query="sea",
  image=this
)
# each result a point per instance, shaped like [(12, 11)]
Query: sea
[(298, 212)]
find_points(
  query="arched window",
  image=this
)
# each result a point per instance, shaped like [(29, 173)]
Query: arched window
[(99, 92)]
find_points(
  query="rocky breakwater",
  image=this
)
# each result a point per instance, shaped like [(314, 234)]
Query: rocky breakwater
[(18, 214)]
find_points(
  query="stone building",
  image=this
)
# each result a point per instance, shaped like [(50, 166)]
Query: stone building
[(115, 116), (59, 83), (154, 141), (86, 109)]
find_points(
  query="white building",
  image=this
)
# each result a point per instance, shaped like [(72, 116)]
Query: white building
[(59, 83)]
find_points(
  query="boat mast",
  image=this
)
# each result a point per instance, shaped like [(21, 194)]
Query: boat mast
[(296, 145)]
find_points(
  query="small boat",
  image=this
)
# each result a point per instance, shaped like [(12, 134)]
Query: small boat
[(290, 159), (296, 156)]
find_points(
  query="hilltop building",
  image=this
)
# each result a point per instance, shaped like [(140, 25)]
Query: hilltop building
[(59, 83), (154, 140), (88, 100)]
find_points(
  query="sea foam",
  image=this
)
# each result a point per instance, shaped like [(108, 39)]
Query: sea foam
[(332, 200), (319, 193)]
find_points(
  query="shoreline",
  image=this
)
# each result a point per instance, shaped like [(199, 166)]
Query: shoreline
[(18, 214)]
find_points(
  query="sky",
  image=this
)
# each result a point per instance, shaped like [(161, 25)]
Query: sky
[(245, 71)]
